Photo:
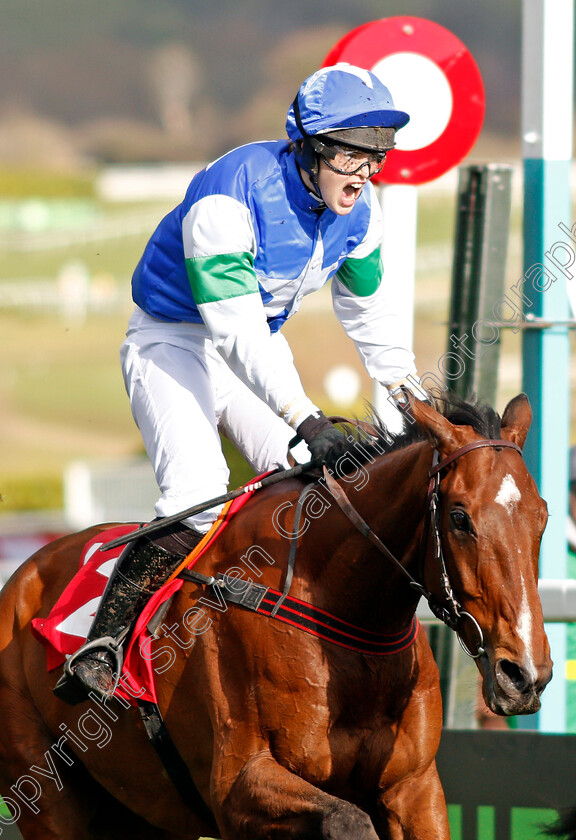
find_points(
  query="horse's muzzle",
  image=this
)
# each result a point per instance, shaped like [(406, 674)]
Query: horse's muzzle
[(510, 688)]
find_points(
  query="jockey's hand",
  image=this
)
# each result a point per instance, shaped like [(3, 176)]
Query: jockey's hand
[(322, 437), (404, 391)]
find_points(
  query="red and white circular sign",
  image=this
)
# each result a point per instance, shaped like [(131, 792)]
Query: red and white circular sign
[(432, 76)]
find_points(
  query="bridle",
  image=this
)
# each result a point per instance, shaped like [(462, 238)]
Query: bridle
[(447, 609)]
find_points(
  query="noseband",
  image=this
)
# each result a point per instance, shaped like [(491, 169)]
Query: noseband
[(450, 611)]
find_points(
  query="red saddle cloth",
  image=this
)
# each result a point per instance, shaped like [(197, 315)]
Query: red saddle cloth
[(65, 629)]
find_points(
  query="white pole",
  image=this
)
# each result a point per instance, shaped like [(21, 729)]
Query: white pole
[(547, 91), (399, 204)]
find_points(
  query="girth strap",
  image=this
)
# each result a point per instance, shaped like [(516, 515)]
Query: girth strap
[(173, 762)]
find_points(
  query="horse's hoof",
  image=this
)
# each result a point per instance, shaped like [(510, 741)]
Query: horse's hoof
[(347, 822)]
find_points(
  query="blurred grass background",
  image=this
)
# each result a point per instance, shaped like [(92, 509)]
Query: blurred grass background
[(61, 391)]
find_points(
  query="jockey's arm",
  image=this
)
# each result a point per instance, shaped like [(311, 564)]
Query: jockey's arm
[(368, 308), (239, 330)]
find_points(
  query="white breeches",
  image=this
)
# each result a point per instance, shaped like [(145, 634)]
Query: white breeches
[(182, 392)]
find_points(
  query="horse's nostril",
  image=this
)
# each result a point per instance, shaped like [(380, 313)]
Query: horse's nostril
[(511, 675)]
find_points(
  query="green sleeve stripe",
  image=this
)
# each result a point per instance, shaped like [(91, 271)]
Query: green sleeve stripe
[(221, 277), (362, 277)]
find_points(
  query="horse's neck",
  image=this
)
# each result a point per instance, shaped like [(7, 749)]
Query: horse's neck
[(363, 581)]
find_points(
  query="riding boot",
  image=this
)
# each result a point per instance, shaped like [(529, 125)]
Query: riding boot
[(142, 568)]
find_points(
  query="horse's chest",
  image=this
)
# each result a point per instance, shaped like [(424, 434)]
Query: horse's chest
[(328, 714), (328, 733), (328, 757)]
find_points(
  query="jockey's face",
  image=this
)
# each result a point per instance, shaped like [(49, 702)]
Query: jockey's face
[(340, 192)]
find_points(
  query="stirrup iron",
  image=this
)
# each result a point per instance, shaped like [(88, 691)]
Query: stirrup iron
[(107, 644), (73, 690)]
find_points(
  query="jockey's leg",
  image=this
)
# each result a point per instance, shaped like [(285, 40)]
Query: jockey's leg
[(181, 392), (172, 395), (257, 432), (142, 568)]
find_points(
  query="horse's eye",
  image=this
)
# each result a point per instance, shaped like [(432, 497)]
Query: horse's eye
[(460, 520)]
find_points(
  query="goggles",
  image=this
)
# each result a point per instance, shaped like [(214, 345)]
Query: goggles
[(346, 160)]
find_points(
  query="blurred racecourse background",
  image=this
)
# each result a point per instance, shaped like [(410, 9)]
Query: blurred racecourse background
[(105, 113)]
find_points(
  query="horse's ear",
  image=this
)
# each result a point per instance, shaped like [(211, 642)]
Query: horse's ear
[(443, 434), (516, 420)]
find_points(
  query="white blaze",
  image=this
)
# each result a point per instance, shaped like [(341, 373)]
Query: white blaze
[(508, 494), (525, 629)]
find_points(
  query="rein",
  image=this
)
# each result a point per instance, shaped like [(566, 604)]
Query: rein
[(161, 523), (451, 612)]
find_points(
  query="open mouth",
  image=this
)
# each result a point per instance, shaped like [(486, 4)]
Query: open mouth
[(352, 191)]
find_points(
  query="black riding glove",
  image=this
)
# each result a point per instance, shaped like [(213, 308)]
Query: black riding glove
[(322, 437)]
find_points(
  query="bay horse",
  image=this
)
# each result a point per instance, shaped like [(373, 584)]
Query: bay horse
[(288, 733)]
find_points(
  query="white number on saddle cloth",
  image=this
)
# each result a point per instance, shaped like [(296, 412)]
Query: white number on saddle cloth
[(78, 622), (66, 627)]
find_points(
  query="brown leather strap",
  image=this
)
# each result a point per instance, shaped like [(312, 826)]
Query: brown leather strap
[(350, 511), (477, 444), (293, 545), (368, 428), (175, 766)]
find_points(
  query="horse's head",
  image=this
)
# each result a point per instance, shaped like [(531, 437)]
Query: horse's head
[(491, 520)]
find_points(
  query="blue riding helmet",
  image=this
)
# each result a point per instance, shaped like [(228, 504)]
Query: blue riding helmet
[(342, 104)]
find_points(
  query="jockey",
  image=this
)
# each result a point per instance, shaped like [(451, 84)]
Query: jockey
[(258, 229)]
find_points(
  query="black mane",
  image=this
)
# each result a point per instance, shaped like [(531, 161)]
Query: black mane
[(363, 448)]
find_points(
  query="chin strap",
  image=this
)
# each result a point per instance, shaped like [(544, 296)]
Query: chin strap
[(315, 190), (309, 156), (316, 193)]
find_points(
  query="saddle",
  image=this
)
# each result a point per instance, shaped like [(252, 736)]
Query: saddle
[(67, 626)]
